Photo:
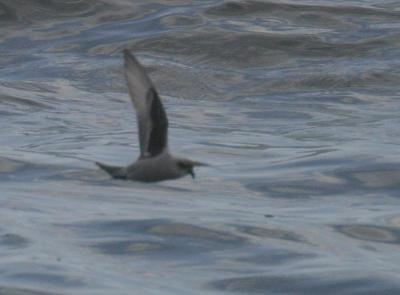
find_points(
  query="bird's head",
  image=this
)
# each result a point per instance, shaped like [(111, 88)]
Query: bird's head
[(187, 166)]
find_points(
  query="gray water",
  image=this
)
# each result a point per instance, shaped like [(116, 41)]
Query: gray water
[(295, 104)]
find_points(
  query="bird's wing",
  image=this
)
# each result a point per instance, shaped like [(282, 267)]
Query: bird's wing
[(151, 116)]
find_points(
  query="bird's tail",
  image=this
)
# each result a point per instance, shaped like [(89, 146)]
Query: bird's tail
[(114, 171)]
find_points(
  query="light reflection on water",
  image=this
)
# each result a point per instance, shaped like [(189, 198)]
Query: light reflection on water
[(295, 105)]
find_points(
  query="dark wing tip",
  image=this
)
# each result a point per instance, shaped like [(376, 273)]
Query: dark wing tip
[(158, 139)]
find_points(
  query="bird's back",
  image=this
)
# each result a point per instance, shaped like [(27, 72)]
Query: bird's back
[(162, 167)]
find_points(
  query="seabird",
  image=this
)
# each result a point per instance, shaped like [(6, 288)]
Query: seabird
[(155, 163)]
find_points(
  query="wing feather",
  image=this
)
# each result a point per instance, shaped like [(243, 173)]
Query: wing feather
[(158, 139), (151, 116)]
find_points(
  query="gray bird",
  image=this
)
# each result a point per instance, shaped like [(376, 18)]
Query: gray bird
[(155, 163)]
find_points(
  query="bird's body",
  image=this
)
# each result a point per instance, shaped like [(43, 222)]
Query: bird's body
[(156, 168), (155, 162), (161, 167)]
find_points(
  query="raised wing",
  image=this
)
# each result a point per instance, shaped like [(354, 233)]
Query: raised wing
[(151, 116)]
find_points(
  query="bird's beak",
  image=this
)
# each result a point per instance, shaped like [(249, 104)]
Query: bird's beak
[(195, 163)]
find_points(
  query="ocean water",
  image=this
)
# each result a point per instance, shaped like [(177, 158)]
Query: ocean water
[(294, 103)]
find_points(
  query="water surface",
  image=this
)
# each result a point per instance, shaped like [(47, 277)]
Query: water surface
[(295, 105)]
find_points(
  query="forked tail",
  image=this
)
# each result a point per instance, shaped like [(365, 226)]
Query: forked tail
[(114, 171)]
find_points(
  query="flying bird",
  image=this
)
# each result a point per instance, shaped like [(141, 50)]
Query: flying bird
[(155, 162)]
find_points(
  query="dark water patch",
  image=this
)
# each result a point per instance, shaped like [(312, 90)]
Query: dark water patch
[(19, 171), (9, 166), (20, 291), (302, 284), (169, 13), (93, 176), (6, 13), (369, 78), (135, 248), (180, 21), (238, 145), (22, 172), (114, 227), (244, 8), (343, 88), (261, 50), (289, 187), (155, 236), (7, 113), (195, 232), (11, 63), (305, 188), (124, 14), (376, 176), (339, 97), (302, 101), (26, 103), (278, 115), (175, 79), (48, 279), (27, 11), (271, 233), (371, 233), (22, 43), (382, 178), (13, 241), (29, 86), (336, 176), (160, 227), (303, 181), (276, 257)]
